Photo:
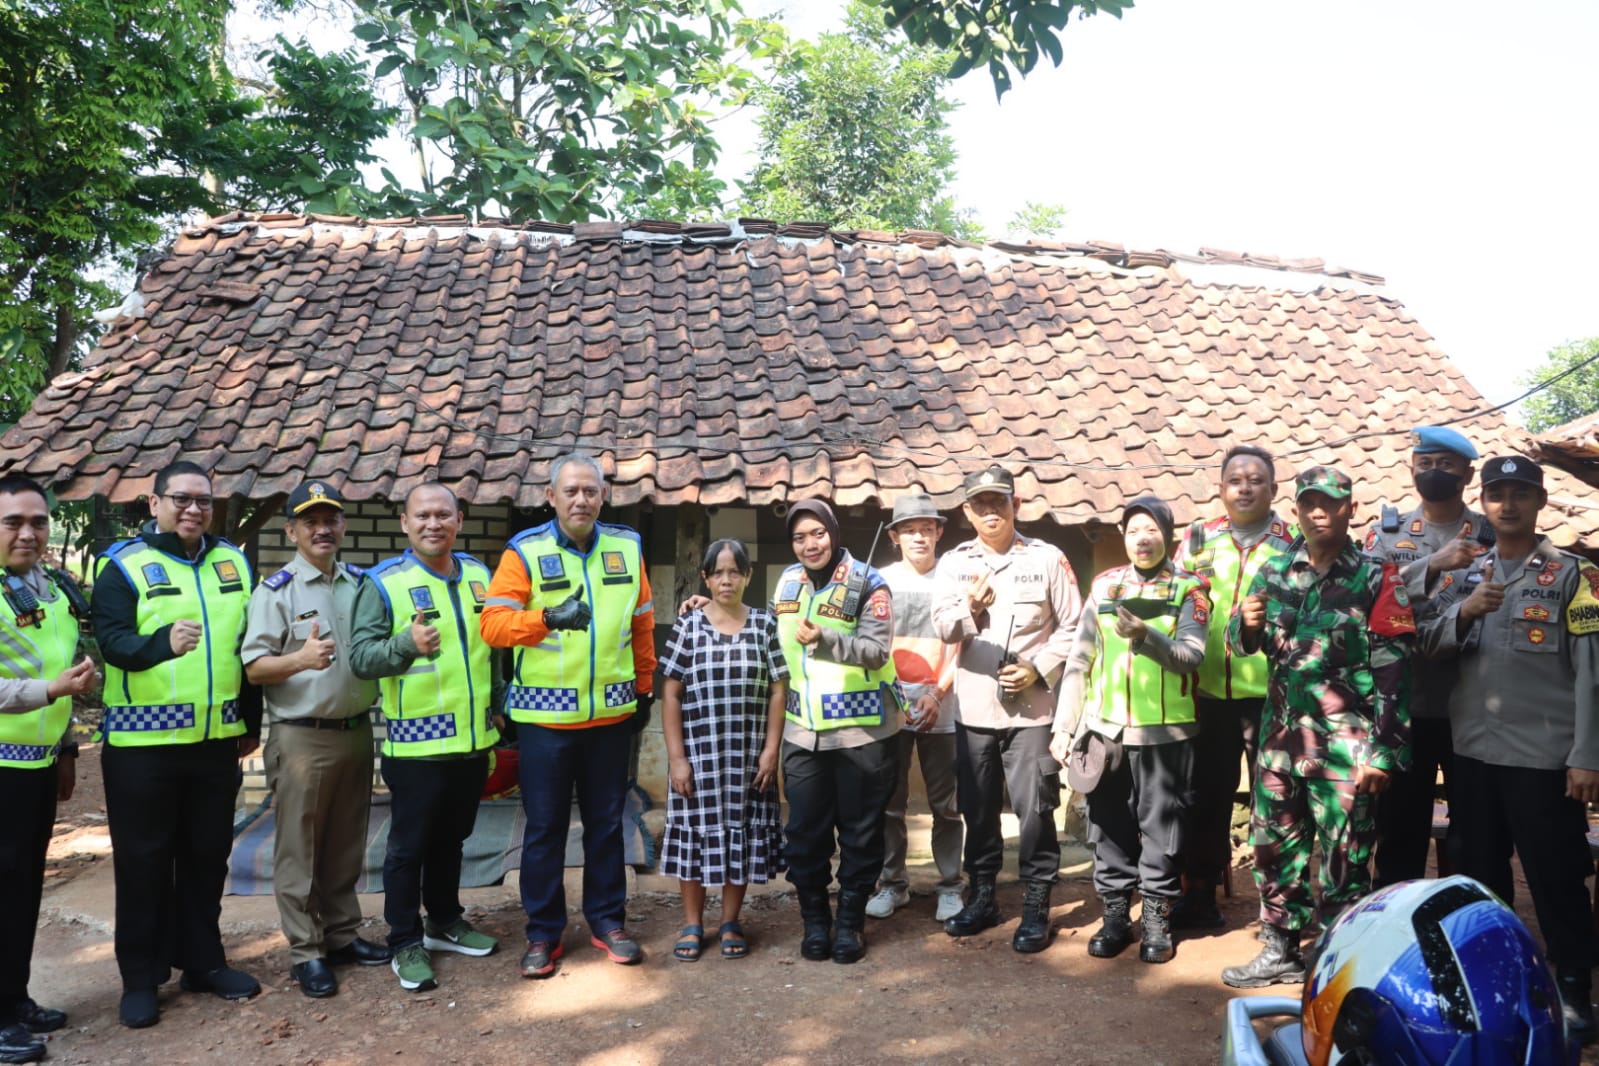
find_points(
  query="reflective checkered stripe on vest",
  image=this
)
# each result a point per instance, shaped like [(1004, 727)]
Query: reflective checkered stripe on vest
[(822, 694), (1225, 675), (1123, 686), (38, 653), (440, 706), (194, 697), (576, 677)]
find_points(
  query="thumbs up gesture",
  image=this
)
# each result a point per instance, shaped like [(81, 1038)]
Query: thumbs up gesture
[(424, 635), (571, 613), (1487, 597), (318, 652)]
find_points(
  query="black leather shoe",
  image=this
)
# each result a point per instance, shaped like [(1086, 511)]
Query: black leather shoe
[(40, 1019), (139, 1009), (360, 952), (315, 978), (18, 1045), (223, 981)]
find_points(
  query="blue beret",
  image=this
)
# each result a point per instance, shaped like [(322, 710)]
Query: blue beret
[(1441, 439)]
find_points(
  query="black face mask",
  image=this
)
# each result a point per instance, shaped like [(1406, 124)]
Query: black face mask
[(1437, 486)]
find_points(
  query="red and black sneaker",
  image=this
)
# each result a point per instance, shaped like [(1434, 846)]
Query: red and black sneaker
[(619, 946), (539, 959)]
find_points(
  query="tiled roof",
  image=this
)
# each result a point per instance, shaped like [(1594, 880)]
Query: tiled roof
[(735, 363)]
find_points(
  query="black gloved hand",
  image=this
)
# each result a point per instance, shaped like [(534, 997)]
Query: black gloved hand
[(641, 715), (570, 613)]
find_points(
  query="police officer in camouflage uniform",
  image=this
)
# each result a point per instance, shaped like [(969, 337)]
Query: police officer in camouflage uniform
[(1523, 623), (1336, 627), (1440, 535)]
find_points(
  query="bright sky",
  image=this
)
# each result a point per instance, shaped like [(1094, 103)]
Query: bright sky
[(1447, 145)]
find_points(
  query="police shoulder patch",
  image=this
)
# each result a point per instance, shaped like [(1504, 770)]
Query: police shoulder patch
[(279, 579), (1582, 613)]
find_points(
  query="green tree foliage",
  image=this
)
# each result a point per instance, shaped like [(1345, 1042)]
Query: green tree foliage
[(563, 109), (854, 132), (1001, 34), (1575, 394), (117, 116), (1034, 219)]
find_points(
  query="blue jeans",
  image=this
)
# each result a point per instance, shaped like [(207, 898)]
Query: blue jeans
[(554, 762)]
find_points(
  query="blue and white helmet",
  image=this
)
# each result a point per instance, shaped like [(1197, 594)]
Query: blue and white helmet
[(1432, 973)]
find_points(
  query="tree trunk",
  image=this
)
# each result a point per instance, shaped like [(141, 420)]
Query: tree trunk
[(66, 340)]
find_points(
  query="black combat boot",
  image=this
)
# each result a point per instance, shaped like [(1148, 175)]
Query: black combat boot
[(1156, 922), (1279, 962), (1196, 908), (1115, 929), (1033, 934), (1576, 1003), (849, 942), (816, 911), (980, 912)]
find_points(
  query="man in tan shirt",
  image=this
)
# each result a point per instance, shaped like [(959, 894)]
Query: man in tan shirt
[(319, 746), (1011, 603)]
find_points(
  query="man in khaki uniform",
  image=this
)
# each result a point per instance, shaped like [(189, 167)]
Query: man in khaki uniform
[(319, 748), (1011, 603)]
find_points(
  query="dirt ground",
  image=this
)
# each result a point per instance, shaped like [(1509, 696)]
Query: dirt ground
[(918, 996)]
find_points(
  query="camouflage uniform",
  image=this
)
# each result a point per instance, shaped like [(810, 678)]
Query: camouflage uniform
[(1338, 645)]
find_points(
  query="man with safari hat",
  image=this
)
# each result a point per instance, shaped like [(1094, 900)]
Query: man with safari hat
[(926, 667), (318, 751)]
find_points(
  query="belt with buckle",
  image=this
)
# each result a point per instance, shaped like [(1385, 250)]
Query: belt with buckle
[(340, 724)]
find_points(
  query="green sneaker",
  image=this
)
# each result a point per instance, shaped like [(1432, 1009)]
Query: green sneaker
[(458, 936), (414, 968)]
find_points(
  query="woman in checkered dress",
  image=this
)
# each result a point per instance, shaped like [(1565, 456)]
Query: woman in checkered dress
[(722, 714)]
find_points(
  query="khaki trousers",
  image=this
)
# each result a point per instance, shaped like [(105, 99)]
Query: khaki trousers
[(322, 791)]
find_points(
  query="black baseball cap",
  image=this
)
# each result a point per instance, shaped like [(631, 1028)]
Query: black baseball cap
[(990, 479), (1512, 468), (313, 494)]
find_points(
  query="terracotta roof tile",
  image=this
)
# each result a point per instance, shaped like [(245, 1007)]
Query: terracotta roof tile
[(777, 362)]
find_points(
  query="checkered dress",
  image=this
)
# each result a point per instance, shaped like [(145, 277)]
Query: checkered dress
[(725, 833)]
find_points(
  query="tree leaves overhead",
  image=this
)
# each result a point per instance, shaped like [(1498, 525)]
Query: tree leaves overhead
[(563, 111), (119, 116), (1003, 35), (854, 132), (1574, 395)]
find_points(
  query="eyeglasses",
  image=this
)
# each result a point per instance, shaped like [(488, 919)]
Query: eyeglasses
[(183, 501)]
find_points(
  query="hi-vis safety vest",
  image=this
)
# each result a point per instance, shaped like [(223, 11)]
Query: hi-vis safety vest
[(440, 706), (579, 677), (38, 646), (193, 697), (1131, 689), (823, 694), (1209, 550)]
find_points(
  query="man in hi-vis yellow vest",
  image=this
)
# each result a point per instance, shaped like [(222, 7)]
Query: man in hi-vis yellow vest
[(572, 599), (416, 632), (40, 614), (169, 614)]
